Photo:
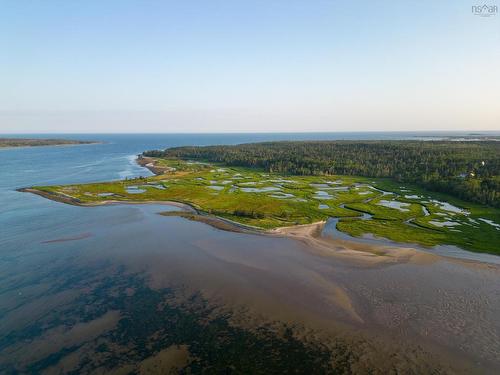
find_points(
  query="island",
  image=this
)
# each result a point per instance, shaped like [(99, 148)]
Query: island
[(423, 193), (36, 142)]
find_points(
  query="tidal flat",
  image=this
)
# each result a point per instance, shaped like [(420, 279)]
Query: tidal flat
[(114, 287), (151, 290)]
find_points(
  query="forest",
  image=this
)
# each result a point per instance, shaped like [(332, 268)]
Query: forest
[(469, 170)]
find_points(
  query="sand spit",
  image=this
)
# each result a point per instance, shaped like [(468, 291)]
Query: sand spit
[(310, 234)]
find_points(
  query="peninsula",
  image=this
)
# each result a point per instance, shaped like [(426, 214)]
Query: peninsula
[(257, 198), (34, 142)]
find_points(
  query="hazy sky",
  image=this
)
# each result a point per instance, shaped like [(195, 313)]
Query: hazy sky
[(247, 65)]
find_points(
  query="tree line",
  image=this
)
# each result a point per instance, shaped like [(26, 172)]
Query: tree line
[(468, 170)]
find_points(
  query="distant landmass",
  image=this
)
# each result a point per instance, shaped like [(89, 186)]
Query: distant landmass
[(34, 142), (463, 138)]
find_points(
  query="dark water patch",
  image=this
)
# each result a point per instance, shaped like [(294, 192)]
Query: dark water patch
[(65, 239), (152, 320)]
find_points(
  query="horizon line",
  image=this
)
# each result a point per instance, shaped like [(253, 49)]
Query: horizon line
[(273, 132)]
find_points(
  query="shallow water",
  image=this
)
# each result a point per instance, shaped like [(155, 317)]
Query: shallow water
[(264, 189), (134, 190), (401, 206), (490, 222), (449, 207), (216, 187), (275, 276), (320, 194)]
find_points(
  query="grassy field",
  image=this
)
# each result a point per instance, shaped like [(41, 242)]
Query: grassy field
[(381, 207)]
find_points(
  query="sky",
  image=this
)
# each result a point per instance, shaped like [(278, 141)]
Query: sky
[(247, 66)]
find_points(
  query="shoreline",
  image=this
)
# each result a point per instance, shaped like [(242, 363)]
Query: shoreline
[(184, 205), (54, 145), (148, 163), (308, 234)]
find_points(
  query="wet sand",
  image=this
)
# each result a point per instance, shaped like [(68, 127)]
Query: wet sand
[(311, 235), (405, 298), (392, 309)]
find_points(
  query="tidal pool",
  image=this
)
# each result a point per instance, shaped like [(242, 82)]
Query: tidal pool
[(216, 187), (249, 183), (320, 194), (340, 188), (264, 189), (401, 206), (442, 224), (319, 186), (449, 207), (134, 190), (281, 195), (490, 222), (105, 194)]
